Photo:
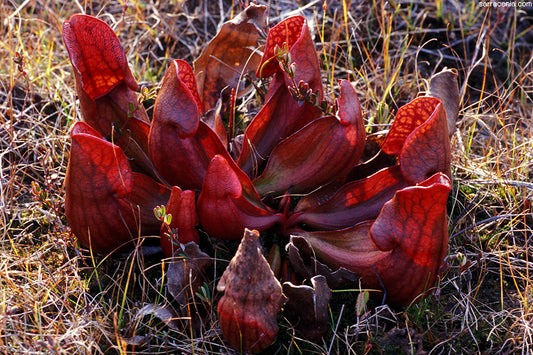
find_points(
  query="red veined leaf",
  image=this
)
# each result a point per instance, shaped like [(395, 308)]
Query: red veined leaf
[(427, 149), (278, 118), (230, 55), (104, 83), (183, 162), (281, 114), (414, 225), (178, 101), (402, 249), (419, 136), (97, 55), (325, 149), (414, 220), (407, 119), (182, 207), (105, 201), (354, 202), (293, 33), (226, 206)]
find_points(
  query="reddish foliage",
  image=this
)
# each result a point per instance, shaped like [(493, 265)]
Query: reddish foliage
[(97, 55), (310, 157), (281, 116), (402, 249), (388, 225), (182, 207), (100, 184), (104, 82), (225, 206), (177, 135)]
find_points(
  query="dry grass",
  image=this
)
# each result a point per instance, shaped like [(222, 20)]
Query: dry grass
[(57, 298)]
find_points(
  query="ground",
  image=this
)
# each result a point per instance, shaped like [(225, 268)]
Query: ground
[(58, 298)]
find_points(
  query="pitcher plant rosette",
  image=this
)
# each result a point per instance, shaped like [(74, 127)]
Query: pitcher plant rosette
[(295, 169)]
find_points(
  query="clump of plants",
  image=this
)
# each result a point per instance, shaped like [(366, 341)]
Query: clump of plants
[(294, 171)]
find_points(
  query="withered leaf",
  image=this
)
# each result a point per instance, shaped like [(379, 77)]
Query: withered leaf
[(360, 305), (185, 272), (229, 55), (252, 298), (443, 85), (304, 262), (407, 341), (163, 312), (308, 306), (137, 340)]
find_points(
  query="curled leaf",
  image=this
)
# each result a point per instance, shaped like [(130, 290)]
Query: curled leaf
[(427, 149), (360, 304), (292, 34), (354, 202), (214, 118), (304, 262), (178, 102), (402, 250), (419, 136), (96, 54), (180, 145), (282, 114), (105, 201), (228, 203), (307, 306), (274, 260), (252, 298), (104, 83), (325, 149), (408, 118), (163, 312)]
